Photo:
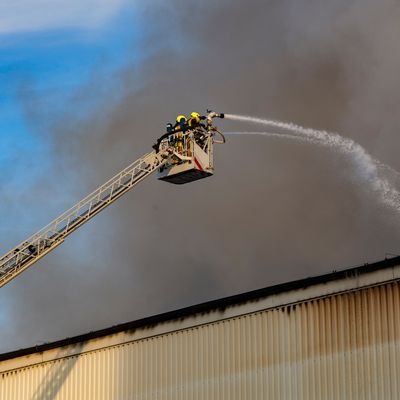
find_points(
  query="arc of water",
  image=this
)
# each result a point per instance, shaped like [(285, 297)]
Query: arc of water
[(365, 165)]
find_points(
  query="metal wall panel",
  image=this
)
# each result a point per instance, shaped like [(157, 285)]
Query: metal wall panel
[(345, 346)]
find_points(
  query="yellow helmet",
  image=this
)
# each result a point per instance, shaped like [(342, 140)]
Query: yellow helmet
[(180, 117), (196, 116)]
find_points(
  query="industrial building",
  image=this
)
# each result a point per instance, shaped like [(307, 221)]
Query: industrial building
[(335, 336)]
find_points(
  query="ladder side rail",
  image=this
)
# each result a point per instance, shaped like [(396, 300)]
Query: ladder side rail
[(73, 210), (112, 195), (116, 196), (82, 202), (99, 206), (89, 197), (45, 240), (13, 272), (52, 227)]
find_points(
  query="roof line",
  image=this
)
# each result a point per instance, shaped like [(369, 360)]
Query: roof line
[(207, 306)]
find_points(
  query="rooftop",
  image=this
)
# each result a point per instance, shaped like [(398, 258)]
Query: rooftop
[(219, 304)]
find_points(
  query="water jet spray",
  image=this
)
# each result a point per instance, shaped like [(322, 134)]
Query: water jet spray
[(366, 167)]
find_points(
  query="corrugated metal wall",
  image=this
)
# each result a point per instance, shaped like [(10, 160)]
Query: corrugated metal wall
[(340, 347)]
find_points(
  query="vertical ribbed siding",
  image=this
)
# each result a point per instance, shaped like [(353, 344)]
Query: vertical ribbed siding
[(340, 347)]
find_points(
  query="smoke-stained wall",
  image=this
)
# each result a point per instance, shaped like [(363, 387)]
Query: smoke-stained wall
[(334, 336)]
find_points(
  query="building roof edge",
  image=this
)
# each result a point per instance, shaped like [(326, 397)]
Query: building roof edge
[(208, 306)]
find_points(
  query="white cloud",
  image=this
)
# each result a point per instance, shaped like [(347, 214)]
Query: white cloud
[(37, 15)]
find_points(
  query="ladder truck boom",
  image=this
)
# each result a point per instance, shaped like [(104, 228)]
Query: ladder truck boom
[(179, 157), (52, 235)]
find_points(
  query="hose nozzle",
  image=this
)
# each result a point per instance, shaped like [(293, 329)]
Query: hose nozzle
[(213, 114)]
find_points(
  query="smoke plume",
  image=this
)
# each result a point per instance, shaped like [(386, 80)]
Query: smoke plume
[(274, 211)]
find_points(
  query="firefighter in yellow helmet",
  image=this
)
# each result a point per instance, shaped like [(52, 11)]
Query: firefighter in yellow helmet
[(180, 128), (195, 120), (181, 123)]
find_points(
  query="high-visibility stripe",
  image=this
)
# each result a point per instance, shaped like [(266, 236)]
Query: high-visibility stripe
[(198, 165)]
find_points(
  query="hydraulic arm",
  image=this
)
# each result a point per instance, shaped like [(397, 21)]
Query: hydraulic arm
[(52, 235)]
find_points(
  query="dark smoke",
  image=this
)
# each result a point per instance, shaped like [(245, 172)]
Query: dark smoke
[(274, 211)]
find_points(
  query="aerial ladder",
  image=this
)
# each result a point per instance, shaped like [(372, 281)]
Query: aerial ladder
[(184, 154)]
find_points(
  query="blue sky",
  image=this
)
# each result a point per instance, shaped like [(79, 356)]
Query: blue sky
[(49, 49)]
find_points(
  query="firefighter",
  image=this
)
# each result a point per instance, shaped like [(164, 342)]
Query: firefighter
[(195, 120), (179, 142), (170, 128), (193, 123), (180, 128), (181, 123)]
